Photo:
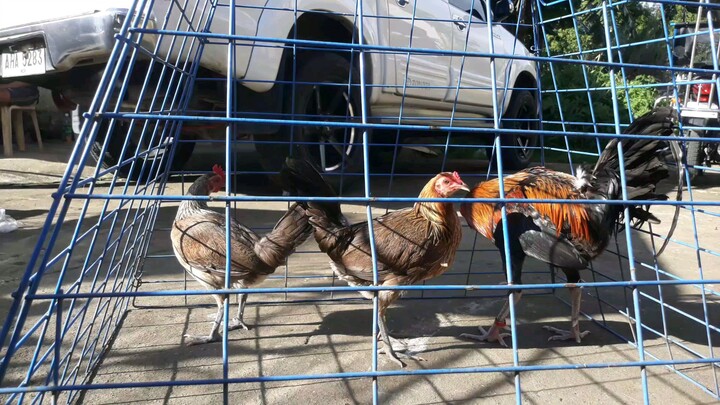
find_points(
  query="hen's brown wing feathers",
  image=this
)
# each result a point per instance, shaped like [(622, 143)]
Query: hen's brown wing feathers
[(411, 244), (406, 245), (200, 240)]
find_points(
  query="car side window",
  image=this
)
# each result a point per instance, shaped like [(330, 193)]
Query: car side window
[(472, 7)]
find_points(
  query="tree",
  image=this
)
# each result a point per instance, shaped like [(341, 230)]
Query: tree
[(578, 32)]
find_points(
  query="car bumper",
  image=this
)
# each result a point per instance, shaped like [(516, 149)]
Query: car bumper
[(704, 110), (69, 42)]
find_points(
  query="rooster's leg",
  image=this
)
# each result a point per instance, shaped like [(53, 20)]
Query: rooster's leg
[(237, 322), (517, 258), (214, 335), (386, 338), (388, 349), (494, 333), (574, 333)]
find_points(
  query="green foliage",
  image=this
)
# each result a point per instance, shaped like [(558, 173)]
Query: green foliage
[(641, 98), (578, 86)]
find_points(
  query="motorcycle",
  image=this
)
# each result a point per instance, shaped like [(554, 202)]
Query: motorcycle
[(697, 96)]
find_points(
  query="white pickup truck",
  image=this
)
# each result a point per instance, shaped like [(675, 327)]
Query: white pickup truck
[(65, 46)]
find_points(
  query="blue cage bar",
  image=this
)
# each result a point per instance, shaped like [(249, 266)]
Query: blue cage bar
[(103, 305)]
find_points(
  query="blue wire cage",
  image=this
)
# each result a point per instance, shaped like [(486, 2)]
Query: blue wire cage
[(381, 95)]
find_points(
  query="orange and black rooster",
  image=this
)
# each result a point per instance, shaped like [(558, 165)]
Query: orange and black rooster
[(412, 244), (566, 235)]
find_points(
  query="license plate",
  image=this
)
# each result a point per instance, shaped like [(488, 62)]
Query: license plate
[(22, 63)]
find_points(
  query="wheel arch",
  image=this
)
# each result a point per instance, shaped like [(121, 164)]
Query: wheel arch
[(325, 27), (527, 81), (269, 62)]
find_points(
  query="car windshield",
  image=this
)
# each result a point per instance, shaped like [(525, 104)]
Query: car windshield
[(703, 49)]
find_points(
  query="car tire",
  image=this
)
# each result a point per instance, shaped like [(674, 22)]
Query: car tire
[(113, 153), (336, 151), (694, 153), (518, 149)]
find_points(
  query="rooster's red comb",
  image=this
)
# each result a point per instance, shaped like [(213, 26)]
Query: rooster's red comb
[(456, 177), (219, 171)]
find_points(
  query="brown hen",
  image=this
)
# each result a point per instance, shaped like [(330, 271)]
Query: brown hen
[(412, 244)]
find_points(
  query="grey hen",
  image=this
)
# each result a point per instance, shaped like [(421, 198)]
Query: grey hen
[(198, 240)]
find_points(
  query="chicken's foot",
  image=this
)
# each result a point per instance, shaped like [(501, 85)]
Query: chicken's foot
[(562, 334), (388, 349), (398, 354), (397, 346), (491, 335), (494, 334), (574, 333), (237, 322), (214, 335)]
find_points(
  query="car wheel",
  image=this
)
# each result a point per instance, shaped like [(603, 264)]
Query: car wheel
[(114, 153), (321, 96), (518, 148), (694, 153)]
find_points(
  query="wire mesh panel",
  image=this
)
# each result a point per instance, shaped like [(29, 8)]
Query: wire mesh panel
[(388, 108)]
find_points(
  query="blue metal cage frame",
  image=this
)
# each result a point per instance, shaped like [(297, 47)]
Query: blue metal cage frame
[(63, 320)]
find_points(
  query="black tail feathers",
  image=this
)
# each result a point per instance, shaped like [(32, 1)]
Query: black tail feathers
[(645, 166), (300, 178), (642, 158)]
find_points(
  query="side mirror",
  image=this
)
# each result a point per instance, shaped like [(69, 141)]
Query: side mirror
[(501, 10)]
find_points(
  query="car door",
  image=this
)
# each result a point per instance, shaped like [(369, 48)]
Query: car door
[(470, 34), (428, 76)]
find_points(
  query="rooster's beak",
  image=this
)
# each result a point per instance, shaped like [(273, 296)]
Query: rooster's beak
[(464, 187)]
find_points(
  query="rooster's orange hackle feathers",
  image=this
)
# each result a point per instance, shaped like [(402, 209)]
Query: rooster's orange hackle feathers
[(525, 185)]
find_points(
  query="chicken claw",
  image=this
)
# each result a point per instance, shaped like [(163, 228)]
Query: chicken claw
[(562, 334), (237, 323), (399, 349), (192, 340), (491, 335), (395, 356)]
